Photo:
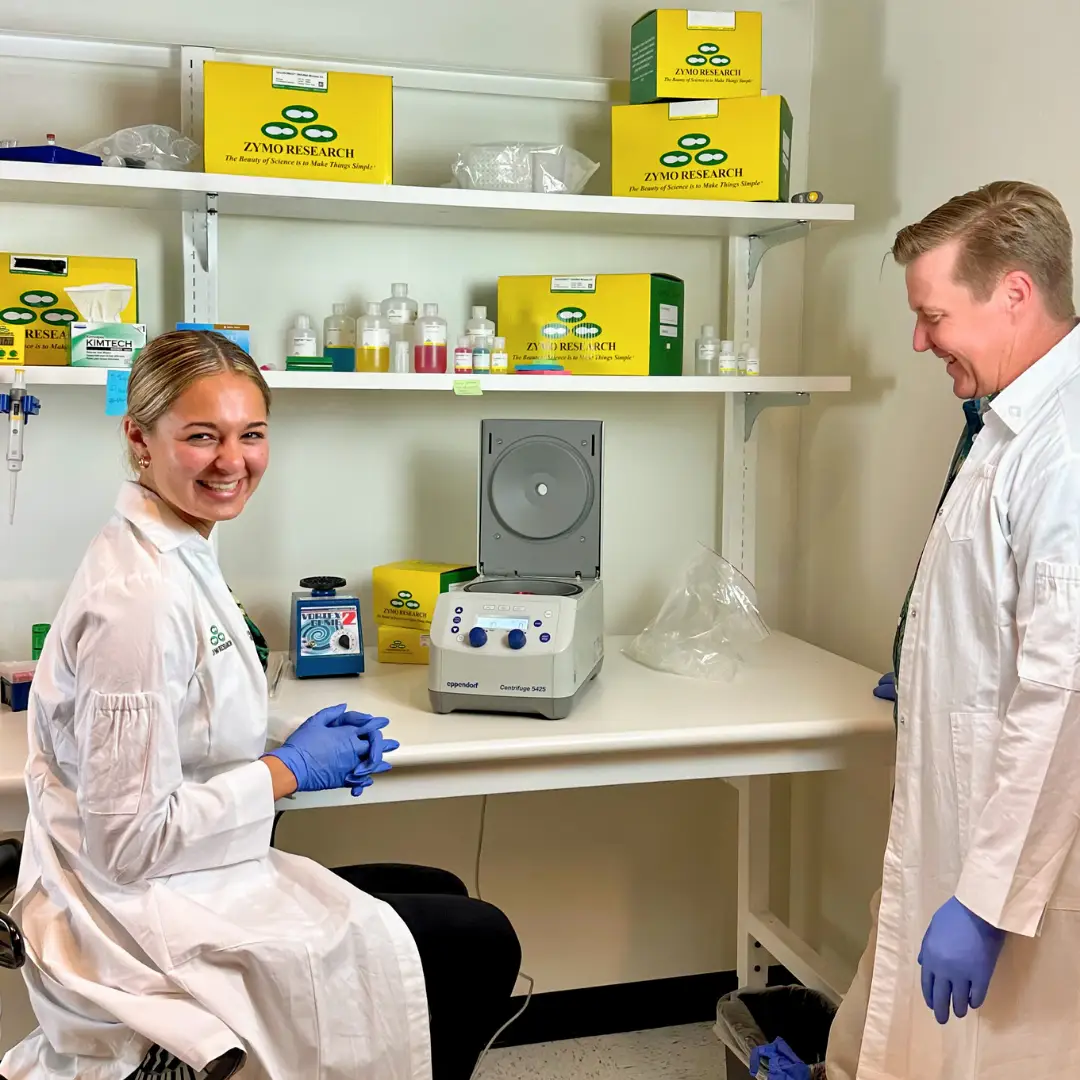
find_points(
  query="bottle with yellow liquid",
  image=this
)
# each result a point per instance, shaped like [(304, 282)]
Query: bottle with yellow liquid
[(373, 341)]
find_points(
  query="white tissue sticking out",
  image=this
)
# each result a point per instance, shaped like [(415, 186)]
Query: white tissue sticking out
[(100, 303)]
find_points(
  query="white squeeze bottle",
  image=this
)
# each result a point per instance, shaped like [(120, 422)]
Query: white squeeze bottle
[(399, 310), (339, 329), (500, 359), (728, 361), (373, 348), (707, 358), (429, 351), (480, 329), (301, 339)]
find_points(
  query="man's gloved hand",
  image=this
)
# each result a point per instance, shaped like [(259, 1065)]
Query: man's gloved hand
[(782, 1061), (327, 747), (363, 775), (958, 956), (886, 687)]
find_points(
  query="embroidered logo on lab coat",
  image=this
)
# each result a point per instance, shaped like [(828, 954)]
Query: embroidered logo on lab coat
[(219, 640)]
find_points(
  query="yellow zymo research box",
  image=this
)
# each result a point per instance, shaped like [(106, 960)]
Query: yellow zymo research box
[(12, 344), (405, 593), (598, 324), (735, 149), (679, 54), (404, 645), (32, 296), (301, 125)]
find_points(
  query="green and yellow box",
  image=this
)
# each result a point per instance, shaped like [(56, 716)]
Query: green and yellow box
[(738, 149), (32, 296), (299, 125), (595, 324), (405, 593), (12, 344), (677, 54), (404, 645)]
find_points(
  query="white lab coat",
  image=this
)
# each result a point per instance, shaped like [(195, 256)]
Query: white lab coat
[(153, 908), (987, 799)]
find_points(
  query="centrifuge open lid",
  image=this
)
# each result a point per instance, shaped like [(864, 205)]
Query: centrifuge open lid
[(541, 487)]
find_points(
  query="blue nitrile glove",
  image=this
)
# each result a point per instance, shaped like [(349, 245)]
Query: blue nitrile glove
[(958, 956), (326, 747), (783, 1062), (363, 775), (886, 687)]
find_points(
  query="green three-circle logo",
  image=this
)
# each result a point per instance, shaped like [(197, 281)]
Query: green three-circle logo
[(708, 54), (293, 116), (404, 599), (572, 320), (38, 304), (695, 147), (216, 637)]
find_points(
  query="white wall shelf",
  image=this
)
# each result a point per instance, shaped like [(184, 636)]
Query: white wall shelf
[(327, 200), (614, 384)]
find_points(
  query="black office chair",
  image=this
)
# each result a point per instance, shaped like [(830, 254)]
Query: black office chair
[(12, 949)]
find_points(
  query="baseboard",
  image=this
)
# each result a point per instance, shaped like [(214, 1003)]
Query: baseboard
[(610, 1010)]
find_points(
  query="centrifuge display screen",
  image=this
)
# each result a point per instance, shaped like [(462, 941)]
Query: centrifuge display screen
[(503, 624)]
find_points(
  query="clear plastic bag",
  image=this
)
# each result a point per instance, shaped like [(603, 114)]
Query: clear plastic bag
[(703, 624), (148, 146), (537, 167)]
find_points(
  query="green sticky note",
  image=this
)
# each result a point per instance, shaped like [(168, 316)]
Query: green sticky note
[(468, 388)]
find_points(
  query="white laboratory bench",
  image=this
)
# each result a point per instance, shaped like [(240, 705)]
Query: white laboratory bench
[(793, 708)]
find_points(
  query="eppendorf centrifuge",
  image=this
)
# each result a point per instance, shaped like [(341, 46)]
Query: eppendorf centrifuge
[(527, 635)]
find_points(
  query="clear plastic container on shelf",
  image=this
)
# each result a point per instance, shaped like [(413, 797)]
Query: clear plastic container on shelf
[(373, 341), (399, 310), (301, 340), (728, 361), (480, 329), (707, 352), (431, 337), (339, 329)]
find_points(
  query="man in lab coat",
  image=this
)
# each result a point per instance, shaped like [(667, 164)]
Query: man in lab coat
[(972, 968)]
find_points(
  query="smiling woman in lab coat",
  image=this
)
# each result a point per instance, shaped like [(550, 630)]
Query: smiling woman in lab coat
[(164, 935)]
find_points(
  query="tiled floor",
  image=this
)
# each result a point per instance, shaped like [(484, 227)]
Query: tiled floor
[(679, 1053)]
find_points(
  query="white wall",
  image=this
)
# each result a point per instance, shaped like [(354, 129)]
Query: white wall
[(604, 886), (912, 103)]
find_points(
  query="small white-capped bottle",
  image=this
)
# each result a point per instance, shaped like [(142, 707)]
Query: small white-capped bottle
[(463, 356), (339, 329), (728, 363), (301, 339), (753, 361), (429, 351), (481, 329), (707, 352), (500, 358)]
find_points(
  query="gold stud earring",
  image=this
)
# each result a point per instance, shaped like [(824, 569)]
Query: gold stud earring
[(144, 463)]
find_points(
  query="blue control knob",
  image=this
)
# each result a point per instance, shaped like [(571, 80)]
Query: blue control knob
[(477, 637), (516, 639)]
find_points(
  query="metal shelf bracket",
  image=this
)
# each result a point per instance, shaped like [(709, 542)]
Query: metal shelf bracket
[(757, 403), (766, 241)]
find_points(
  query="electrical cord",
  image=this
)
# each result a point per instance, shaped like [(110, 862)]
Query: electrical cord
[(521, 975)]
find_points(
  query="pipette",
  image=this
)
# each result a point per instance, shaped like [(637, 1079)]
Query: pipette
[(18, 405)]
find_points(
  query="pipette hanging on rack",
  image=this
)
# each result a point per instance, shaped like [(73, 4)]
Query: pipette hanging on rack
[(17, 405)]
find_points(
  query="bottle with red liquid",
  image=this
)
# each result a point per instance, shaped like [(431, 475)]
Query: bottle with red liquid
[(429, 350)]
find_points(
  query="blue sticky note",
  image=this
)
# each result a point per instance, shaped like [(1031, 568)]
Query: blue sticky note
[(116, 387)]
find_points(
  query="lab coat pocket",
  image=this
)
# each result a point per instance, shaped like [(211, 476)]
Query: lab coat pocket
[(974, 735), (1050, 635), (967, 502), (115, 752)]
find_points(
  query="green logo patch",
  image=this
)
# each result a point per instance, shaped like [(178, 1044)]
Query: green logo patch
[(694, 60), (19, 315), (708, 48), (300, 114), (587, 330), (720, 61), (319, 133), (60, 317), (38, 298), (693, 141), (711, 157), (279, 130), (675, 159), (554, 330), (570, 315)]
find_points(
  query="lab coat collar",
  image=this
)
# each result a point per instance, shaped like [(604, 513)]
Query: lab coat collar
[(154, 519), (1024, 397)]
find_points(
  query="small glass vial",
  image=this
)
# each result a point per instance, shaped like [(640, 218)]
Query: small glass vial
[(399, 364), (753, 361), (500, 359), (728, 363), (707, 355), (339, 329), (463, 356), (301, 339)]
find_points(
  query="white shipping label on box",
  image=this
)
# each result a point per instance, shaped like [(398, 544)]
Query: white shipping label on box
[(669, 314), (669, 331), (285, 79), (710, 20), (573, 284)]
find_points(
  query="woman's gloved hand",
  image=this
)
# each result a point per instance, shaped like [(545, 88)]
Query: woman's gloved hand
[(363, 775), (886, 687), (327, 747)]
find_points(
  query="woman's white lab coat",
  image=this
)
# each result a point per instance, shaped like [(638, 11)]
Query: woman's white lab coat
[(153, 907), (987, 799)]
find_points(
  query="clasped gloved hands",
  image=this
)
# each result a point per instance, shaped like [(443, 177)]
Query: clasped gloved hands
[(958, 957), (886, 687), (336, 748)]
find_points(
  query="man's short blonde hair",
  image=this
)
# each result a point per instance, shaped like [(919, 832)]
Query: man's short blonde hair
[(1004, 226)]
